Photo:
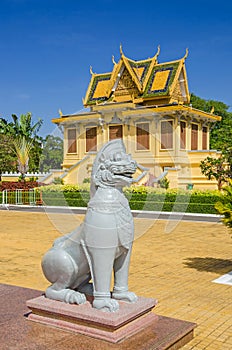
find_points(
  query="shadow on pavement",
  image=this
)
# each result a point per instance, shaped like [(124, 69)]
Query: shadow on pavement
[(209, 264)]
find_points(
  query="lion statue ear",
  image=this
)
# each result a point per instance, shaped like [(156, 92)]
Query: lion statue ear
[(102, 158)]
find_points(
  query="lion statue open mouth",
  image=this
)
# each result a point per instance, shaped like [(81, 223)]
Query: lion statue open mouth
[(102, 243)]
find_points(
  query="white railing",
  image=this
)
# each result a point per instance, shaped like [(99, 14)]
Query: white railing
[(19, 197)]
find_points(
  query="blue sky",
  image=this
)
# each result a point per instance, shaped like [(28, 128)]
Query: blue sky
[(47, 47)]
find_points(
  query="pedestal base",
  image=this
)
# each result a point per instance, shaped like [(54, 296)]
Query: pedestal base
[(131, 320)]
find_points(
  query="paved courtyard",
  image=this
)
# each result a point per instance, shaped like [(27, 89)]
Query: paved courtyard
[(174, 262)]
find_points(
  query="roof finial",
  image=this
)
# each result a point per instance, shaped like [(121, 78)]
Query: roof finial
[(91, 70), (113, 60), (121, 52), (60, 112), (157, 53), (186, 54)]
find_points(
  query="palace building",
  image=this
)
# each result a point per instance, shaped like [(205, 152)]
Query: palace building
[(147, 104)]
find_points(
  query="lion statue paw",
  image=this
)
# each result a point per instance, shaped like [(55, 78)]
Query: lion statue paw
[(69, 296), (125, 296), (106, 304)]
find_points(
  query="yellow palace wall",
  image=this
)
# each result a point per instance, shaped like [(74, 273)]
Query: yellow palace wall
[(182, 165)]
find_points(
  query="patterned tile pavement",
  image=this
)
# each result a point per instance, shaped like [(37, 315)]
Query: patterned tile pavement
[(174, 262)]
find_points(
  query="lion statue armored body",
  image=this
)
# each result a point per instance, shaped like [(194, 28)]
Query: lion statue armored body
[(102, 243)]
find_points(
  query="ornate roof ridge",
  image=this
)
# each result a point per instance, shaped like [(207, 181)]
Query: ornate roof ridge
[(99, 74), (141, 60)]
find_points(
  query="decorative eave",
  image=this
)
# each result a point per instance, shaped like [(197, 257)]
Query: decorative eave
[(182, 111)]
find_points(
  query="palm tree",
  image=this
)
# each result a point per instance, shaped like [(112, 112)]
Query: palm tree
[(26, 141), (27, 134), (22, 150), (23, 126)]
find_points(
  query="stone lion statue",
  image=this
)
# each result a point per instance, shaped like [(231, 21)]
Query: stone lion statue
[(102, 243)]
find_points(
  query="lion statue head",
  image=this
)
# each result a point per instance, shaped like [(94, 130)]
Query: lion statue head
[(112, 167)]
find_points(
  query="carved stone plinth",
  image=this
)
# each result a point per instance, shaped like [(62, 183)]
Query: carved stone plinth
[(132, 320)]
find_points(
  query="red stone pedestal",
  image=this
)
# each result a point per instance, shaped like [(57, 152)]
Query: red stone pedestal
[(133, 319)]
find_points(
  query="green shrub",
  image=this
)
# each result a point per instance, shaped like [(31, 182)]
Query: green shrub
[(164, 183), (139, 197), (58, 181), (224, 206)]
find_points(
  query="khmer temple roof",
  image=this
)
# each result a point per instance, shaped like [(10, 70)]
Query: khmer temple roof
[(144, 82)]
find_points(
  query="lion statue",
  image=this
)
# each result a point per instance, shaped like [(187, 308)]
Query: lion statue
[(102, 243)]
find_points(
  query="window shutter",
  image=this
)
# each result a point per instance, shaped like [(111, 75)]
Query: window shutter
[(167, 135), (115, 132), (72, 141), (142, 133), (194, 137), (204, 137), (91, 139), (182, 135)]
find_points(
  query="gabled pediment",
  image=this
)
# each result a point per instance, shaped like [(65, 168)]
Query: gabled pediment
[(125, 88)]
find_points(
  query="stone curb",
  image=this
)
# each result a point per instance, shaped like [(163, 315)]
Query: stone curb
[(154, 215)]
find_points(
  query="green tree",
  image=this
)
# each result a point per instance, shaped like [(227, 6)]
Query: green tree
[(224, 207), (221, 132), (23, 126), (22, 148), (215, 168), (209, 106), (7, 155), (52, 155), (24, 131)]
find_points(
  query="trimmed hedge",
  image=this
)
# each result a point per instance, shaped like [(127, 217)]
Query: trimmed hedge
[(175, 207), (15, 185), (139, 197)]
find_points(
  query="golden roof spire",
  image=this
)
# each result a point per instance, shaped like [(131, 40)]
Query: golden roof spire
[(157, 53), (91, 70), (186, 53), (121, 52), (113, 60)]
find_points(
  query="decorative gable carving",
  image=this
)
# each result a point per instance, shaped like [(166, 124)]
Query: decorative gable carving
[(126, 86)]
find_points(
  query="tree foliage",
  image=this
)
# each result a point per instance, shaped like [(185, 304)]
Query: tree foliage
[(221, 132), (7, 155), (224, 207), (215, 168), (19, 132), (52, 155), (22, 148)]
